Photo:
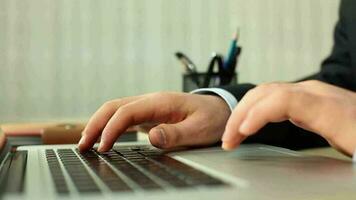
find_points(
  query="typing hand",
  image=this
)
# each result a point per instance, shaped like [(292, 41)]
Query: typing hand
[(172, 119), (315, 106)]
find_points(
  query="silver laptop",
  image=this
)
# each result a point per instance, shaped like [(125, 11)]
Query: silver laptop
[(140, 171)]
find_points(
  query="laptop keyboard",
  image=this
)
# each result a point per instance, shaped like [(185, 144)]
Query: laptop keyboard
[(123, 169), (77, 171), (56, 172)]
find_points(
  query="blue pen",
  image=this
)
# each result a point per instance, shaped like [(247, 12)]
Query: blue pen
[(232, 52)]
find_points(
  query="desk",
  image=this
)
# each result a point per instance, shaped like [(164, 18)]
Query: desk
[(51, 133)]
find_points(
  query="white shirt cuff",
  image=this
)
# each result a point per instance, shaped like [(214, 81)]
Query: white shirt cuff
[(230, 100)]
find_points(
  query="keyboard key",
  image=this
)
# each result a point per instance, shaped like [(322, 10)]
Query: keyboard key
[(56, 172), (145, 166), (133, 173), (78, 173), (104, 171), (166, 168), (190, 175), (162, 173)]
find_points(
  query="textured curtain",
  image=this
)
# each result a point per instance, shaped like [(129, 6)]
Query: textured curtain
[(61, 59)]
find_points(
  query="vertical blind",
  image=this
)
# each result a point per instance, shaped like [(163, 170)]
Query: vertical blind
[(63, 59)]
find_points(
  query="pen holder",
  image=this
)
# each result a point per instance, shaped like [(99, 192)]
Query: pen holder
[(195, 81)]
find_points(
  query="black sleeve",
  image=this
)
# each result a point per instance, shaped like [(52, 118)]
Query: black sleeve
[(336, 69)]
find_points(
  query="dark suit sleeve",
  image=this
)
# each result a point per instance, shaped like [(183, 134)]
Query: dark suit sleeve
[(336, 69)]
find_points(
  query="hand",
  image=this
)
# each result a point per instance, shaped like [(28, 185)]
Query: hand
[(172, 120), (315, 106)]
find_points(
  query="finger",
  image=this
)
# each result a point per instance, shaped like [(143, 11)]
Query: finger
[(266, 110), (185, 133), (134, 113), (290, 105), (233, 144), (231, 137), (98, 121)]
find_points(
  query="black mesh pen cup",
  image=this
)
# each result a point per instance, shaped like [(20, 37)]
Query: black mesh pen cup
[(205, 80)]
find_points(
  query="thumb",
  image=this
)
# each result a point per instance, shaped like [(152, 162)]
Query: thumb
[(188, 132), (167, 135)]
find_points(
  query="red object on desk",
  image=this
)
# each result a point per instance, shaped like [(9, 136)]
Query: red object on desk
[(51, 133), (25, 129)]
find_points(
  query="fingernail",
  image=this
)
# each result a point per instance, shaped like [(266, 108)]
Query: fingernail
[(101, 145), (162, 139), (229, 146), (225, 136), (225, 146), (81, 141), (100, 148), (244, 128)]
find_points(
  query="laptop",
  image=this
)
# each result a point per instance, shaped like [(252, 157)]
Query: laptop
[(137, 170)]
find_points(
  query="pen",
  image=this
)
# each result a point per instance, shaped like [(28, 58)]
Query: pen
[(189, 66), (187, 63), (232, 52)]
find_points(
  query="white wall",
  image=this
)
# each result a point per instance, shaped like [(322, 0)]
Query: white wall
[(64, 58)]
